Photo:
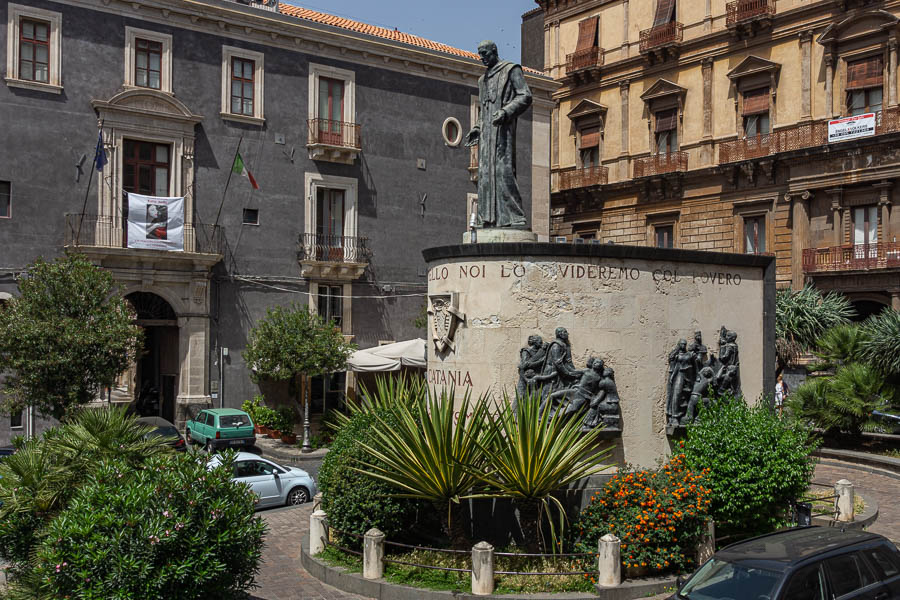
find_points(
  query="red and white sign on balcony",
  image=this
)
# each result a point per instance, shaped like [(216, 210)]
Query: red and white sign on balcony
[(850, 128)]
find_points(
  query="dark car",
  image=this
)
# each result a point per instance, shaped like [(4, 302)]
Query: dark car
[(164, 429), (808, 563)]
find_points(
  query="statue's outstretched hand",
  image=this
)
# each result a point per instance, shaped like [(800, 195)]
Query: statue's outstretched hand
[(472, 137)]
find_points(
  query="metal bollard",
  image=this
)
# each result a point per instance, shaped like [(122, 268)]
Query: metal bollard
[(317, 531), (373, 554), (317, 501), (482, 569), (609, 561), (843, 489)]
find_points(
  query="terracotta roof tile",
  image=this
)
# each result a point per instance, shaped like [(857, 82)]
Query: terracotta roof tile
[(382, 32)]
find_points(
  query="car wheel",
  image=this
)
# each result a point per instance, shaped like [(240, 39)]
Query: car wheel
[(297, 496)]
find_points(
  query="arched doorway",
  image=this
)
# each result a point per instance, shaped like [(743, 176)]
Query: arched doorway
[(156, 368), (867, 308)]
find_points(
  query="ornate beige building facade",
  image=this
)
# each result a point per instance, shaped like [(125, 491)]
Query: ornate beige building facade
[(761, 126)]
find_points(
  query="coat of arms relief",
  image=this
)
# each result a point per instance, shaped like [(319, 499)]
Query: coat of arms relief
[(445, 318)]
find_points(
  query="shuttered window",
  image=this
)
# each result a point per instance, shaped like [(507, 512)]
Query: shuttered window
[(865, 73), (590, 138), (665, 12), (587, 34), (666, 120), (756, 101)]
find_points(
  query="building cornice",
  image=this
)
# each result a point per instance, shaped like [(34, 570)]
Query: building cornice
[(248, 24)]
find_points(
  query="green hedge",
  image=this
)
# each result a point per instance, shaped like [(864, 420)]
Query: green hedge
[(355, 502)]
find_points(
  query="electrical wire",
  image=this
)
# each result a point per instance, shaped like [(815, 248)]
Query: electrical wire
[(281, 289)]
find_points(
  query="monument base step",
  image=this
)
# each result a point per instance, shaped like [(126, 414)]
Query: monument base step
[(500, 235)]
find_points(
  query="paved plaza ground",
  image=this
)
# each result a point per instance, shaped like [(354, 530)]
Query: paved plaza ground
[(283, 577)]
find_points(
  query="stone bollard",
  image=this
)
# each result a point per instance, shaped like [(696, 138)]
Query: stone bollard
[(482, 569), (843, 489), (707, 546), (373, 554), (317, 501), (317, 531), (609, 561)]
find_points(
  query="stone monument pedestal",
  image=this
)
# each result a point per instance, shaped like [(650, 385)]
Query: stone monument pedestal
[(502, 235)]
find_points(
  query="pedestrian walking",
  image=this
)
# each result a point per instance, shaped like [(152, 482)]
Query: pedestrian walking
[(781, 392)]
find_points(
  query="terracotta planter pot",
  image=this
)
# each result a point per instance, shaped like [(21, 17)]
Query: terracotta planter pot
[(264, 430), (257, 428), (274, 434), (289, 438)]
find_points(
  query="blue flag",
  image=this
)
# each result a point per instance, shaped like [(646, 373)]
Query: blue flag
[(100, 153)]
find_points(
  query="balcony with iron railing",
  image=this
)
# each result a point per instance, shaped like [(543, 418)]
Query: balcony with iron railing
[(336, 141), (581, 60), (797, 137), (333, 256), (84, 231), (660, 164), (661, 36), (582, 178), (746, 11), (853, 257)]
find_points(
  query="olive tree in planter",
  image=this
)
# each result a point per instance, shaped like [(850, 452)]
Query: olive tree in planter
[(292, 343)]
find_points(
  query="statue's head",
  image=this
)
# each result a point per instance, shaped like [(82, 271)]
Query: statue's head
[(535, 340), (598, 365), (707, 372), (529, 373), (562, 334), (487, 50), (682, 344), (698, 336), (590, 362), (608, 372), (731, 336)]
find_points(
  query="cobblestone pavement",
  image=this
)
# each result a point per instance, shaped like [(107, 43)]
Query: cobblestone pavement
[(871, 483), (282, 576)]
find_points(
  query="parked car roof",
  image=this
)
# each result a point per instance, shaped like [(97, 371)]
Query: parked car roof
[(783, 548), (225, 411), (154, 422)]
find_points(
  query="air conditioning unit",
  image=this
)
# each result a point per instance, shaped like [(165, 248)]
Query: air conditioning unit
[(560, 239), (578, 240)]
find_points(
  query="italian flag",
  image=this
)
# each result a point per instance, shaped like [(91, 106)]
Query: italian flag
[(240, 169)]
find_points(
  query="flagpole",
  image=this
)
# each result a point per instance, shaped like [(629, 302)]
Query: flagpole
[(230, 171), (88, 190)]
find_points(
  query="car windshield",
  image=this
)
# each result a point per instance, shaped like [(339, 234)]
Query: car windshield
[(233, 421), (720, 579)]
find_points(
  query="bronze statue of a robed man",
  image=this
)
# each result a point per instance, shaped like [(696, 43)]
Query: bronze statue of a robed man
[(504, 96)]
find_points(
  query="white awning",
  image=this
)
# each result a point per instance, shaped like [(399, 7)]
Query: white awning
[(389, 357)]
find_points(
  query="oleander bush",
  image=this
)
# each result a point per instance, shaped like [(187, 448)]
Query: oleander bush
[(659, 516), (755, 464), (356, 502)]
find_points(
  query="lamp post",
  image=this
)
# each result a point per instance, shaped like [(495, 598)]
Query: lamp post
[(305, 448)]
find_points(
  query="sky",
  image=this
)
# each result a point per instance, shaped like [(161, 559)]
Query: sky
[(459, 23)]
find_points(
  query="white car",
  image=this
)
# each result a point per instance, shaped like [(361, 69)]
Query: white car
[(274, 484)]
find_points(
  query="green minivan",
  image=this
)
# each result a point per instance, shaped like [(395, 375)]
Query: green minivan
[(220, 428)]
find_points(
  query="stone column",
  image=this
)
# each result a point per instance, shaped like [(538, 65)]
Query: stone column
[(843, 489), (187, 176), (482, 569), (884, 203), (556, 74), (193, 333), (892, 72), (609, 561), (373, 554), (707, 17), (626, 47), (317, 532), (547, 47), (805, 71), (799, 234), (706, 155), (541, 109), (624, 150), (829, 84), (837, 221)]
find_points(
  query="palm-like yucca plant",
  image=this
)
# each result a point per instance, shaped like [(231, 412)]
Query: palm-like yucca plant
[(801, 316), (432, 452), (881, 347), (530, 455), (388, 391), (838, 346), (844, 401), (95, 434)]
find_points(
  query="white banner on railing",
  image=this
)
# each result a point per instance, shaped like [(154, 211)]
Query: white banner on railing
[(155, 222), (851, 128)]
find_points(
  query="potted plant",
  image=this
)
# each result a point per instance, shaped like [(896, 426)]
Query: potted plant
[(274, 423), (252, 408), (264, 416), (286, 422)]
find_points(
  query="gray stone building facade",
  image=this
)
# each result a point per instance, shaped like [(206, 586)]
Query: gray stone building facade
[(351, 131)]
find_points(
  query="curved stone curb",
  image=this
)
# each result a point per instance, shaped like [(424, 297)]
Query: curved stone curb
[(867, 459), (354, 583), (860, 522)]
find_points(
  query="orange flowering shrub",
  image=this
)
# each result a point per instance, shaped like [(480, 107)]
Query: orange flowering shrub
[(658, 515)]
